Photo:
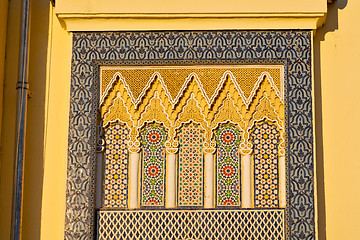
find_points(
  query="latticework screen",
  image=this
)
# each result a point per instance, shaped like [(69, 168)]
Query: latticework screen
[(202, 224)]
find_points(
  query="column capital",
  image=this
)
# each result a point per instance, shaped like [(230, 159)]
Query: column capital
[(281, 152), (134, 147), (245, 151), (134, 150), (210, 150), (171, 150)]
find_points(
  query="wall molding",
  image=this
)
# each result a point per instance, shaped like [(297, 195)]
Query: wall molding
[(191, 21)]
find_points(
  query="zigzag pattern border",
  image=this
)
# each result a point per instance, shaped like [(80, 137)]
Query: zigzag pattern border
[(118, 77), (293, 48)]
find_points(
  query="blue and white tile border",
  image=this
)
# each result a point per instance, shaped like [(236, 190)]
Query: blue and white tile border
[(291, 48)]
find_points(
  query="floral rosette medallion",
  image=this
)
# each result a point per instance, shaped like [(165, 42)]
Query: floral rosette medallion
[(153, 137), (228, 139)]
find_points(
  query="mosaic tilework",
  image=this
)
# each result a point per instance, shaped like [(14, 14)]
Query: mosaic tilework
[(228, 181), (190, 169), (137, 78), (153, 156), (200, 224), (115, 166), (265, 138), (291, 48)]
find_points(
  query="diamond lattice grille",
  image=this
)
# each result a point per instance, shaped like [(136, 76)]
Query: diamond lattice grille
[(187, 224)]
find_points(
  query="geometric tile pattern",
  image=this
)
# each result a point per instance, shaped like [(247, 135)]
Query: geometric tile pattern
[(228, 190), (292, 48), (265, 138), (210, 77), (200, 224), (153, 154), (116, 166), (190, 169)]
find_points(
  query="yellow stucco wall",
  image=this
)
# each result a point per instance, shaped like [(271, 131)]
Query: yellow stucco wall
[(33, 175), (338, 58), (8, 111), (189, 6), (3, 27), (337, 112), (56, 132)]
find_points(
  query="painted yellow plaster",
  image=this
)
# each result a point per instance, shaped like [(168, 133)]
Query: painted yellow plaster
[(81, 22), (189, 6), (3, 28), (122, 15), (33, 176), (56, 131), (8, 111), (337, 53), (33, 167)]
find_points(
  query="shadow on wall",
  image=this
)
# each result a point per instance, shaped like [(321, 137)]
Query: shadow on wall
[(34, 162), (331, 25)]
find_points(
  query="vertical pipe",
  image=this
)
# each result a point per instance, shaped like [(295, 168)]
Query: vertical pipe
[(282, 182), (246, 181), (22, 88), (209, 179), (170, 180), (134, 180)]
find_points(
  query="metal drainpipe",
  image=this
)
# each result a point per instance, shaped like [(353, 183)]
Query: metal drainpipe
[(22, 88)]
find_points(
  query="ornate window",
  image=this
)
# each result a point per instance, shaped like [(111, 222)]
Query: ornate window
[(192, 137), (201, 137)]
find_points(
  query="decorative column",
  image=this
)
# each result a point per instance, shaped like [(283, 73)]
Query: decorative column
[(170, 199), (209, 178), (134, 178), (282, 180), (246, 178)]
